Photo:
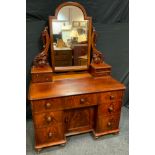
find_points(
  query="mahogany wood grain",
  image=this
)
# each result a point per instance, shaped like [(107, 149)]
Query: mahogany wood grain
[(105, 132), (50, 135), (111, 96), (64, 103), (41, 74), (78, 120), (107, 123), (42, 69), (70, 87), (76, 99), (109, 108), (70, 68), (71, 75), (42, 120), (101, 69)]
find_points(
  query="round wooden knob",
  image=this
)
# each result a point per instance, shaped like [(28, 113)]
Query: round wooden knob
[(112, 97), (49, 119), (82, 100), (50, 134), (48, 105), (109, 124), (110, 109)]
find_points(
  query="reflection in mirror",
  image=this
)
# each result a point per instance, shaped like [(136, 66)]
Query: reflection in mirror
[(70, 37)]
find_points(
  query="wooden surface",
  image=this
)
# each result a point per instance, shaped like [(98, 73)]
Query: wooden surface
[(55, 118), (69, 87), (44, 69), (80, 75), (100, 66), (70, 68), (75, 102)]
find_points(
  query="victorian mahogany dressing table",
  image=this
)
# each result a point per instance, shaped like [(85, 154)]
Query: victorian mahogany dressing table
[(74, 99)]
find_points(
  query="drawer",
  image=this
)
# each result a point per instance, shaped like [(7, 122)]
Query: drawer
[(80, 101), (109, 108), (47, 105), (47, 119), (64, 103), (41, 77), (110, 96), (107, 123), (49, 135)]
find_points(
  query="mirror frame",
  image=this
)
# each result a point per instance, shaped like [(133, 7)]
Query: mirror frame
[(70, 68)]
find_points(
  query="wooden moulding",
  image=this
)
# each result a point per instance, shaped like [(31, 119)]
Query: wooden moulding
[(41, 74), (98, 70), (96, 135)]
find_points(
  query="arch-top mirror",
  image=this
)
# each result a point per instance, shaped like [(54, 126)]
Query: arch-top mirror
[(70, 32)]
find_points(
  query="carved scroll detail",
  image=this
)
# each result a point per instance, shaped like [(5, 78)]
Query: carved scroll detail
[(97, 55), (42, 58)]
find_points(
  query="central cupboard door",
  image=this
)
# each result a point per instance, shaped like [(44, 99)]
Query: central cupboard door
[(79, 120)]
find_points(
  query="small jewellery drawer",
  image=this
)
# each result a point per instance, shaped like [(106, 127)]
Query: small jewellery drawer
[(41, 77), (64, 103), (108, 123), (47, 119), (110, 96), (49, 135), (109, 108)]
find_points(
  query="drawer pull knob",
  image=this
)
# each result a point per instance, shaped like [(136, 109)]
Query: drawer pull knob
[(82, 100), (112, 97), (50, 134), (110, 109), (109, 124), (48, 105), (49, 119)]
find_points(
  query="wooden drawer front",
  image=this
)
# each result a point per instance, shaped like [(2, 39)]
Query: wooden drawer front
[(107, 123), (96, 74), (48, 104), (64, 103), (49, 135), (109, 108), (80, 101), (110, 96), (41, 77), (47, 119)]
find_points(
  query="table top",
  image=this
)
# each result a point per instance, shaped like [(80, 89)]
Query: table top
[(68, 87)]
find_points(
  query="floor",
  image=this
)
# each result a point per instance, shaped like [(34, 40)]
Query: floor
[(85, 144)]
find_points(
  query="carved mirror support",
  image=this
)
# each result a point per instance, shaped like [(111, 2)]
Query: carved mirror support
[(42, 58)]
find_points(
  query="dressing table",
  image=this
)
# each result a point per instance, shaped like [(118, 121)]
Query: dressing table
[(72, 90)]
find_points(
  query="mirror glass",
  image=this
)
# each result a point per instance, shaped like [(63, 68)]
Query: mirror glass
[(70, 37)]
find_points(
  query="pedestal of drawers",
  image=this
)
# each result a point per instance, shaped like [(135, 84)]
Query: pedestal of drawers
[(56, 118)]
